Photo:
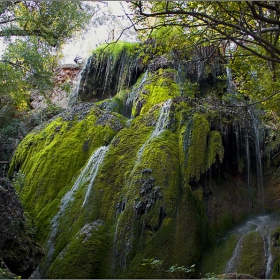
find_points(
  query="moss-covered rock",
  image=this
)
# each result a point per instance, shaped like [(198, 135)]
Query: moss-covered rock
[(252, 259), (106, 191), (110, 69)]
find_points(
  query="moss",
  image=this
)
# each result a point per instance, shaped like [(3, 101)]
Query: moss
[(116, 49), (275, 251), (252, 260), (57, 152), (276, 269), (114, 104), (215, 261), (199, 147), (157, 88), (83, 257), (146, 201)]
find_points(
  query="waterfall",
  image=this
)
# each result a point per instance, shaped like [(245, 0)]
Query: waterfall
[(269, 259), (232, 263), (133, 95), (255, 124), (264, 225), (230, 83), (73, 96), (97, 158), (248, 170), (161, 125), (87, 176), (126, 236)]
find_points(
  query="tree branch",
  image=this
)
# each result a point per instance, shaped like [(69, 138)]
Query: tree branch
[(257, 102)]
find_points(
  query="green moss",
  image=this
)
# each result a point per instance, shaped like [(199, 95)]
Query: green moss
[(275, 251), (252, 260), (146, 204), (276, 268), (215, 261), (52, 156), (199, 146), (115, 49), (83, 257), (114, 104), (158, 88)]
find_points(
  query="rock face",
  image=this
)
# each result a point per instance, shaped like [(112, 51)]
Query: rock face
[(18, 248), (65, 78), (106, 73), (106, 190)]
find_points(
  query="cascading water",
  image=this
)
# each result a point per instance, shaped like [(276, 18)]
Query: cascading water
[(133, 94), (161, 125), (230, 84), (269, 259), (87, 178), (73, 96), (255, 124), (263, 225), (232, 263), (248, 170), (98, 159)]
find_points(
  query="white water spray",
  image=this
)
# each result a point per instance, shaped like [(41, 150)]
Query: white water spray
[(161, 125), (97, 158), (73, 96), (87, 175), (264, 225)]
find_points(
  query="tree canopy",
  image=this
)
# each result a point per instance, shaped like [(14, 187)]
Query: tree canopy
[(35, 32), (252, 25), (246, 34)]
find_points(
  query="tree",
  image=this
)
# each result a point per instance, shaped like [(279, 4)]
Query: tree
[(54, 21), (251, 25), (34, 32), (245, 33)]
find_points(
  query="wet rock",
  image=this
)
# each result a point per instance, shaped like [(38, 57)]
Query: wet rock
[(146, 185), (147, 171), (120, 207), (87, 229), (104, 75), (161, 62), (18, 247)]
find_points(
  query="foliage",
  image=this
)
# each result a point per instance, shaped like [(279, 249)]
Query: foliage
[(175, 271), (35, 32), (6, 274), (244, 35), (246, 24), (210, 275), (53, 21), (116, 49)]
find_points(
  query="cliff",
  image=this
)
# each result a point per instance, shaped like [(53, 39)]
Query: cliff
[(150, 162)]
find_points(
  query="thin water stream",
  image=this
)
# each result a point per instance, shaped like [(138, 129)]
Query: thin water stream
[(264, 225), (255, 123), (86, 178), (161, 125)]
